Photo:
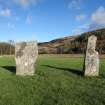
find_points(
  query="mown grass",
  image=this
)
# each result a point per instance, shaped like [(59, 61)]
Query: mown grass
[(58, 81)]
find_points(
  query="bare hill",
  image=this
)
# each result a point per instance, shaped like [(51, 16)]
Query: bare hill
[(73, 44)]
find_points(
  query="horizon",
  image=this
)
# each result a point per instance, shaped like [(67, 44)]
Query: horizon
[(6, 41), (45, 20)]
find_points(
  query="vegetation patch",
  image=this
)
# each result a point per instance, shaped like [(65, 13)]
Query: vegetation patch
[(58, 81)]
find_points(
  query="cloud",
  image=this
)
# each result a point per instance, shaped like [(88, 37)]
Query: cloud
[(21, 3), (81, 29), (80, 17), (75, 4), (77, 31), (5, 12), (29, 19), (96, 21), (98, 18), (26, 3), (11, 25)]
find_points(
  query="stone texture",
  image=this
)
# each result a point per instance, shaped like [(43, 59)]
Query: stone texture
[(92, 58), (26, 54)]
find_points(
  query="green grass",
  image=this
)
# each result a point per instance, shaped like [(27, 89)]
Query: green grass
[(57, 81)]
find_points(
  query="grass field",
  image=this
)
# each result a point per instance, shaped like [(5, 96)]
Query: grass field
[(58, 81)]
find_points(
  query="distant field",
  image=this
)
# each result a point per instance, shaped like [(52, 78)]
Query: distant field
[(58, 81)]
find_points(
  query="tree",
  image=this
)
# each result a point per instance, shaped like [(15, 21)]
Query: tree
[(11, 43)]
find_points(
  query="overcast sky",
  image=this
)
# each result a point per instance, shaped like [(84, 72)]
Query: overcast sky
[(44, 20)]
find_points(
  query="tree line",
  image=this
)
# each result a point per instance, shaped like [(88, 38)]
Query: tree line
[(76, 46), (7, 48)]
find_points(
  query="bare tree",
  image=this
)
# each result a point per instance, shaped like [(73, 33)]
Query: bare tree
[(11, 43)]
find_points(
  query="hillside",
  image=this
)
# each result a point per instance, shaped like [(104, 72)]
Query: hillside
[(73, 44), (66, 45)]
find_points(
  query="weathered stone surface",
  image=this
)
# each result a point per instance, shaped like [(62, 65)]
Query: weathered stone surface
[(26, 54), (92, 58)]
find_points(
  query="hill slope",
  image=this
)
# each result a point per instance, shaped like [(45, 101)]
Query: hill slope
[(73, 44), (66, 45)]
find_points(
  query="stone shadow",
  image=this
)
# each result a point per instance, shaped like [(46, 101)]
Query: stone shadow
[(10, 68), (74, 71)]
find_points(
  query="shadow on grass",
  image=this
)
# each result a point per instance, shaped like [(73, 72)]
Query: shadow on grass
[(10, 68), (74, 71), (101, 76)]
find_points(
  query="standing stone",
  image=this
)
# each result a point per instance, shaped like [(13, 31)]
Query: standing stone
[(26, 54), (92, 58)]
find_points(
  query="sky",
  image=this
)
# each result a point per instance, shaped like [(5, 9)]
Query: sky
[(44, 20)]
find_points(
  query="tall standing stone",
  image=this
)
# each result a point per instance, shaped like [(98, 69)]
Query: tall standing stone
[(26, 54), (92, 58)]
